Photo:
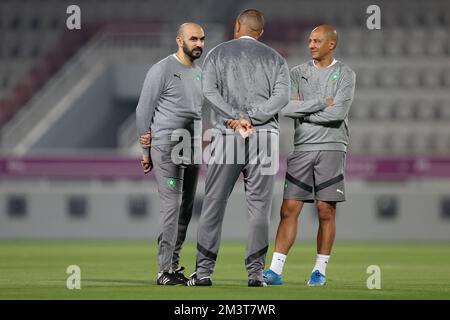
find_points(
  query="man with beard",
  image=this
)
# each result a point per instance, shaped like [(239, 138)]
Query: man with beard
[(171, 99)]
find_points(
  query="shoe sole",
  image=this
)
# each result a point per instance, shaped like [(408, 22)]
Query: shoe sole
[(199, 285), (316, 285), (272, 284)]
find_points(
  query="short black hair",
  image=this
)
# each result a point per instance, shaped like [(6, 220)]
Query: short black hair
[(253, 19)]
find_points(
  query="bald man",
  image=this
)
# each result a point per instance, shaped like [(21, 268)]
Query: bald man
[(245, 84), (322, 92), (171, 99)]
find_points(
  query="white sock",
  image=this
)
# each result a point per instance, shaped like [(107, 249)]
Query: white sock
[(278, 261), (321, 263)]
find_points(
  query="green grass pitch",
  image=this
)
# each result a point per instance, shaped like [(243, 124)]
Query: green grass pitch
[(127, 270)]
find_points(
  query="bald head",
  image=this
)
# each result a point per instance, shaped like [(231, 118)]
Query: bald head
[(328, 31), (190, 40), (249, 22), (188, 27), (322, 42)]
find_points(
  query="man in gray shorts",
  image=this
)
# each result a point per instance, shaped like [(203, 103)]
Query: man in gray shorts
[(322, 90), (246, 84), (171, 100)]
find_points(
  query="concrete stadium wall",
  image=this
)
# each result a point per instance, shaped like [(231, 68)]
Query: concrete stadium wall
[(90, 122), (130, 210)]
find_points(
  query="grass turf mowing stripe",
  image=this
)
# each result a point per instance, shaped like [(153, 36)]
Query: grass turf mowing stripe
[(127, 270)]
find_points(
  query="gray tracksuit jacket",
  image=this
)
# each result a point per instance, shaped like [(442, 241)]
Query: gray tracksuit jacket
[(318, 127), (171, 99), (245, 78)]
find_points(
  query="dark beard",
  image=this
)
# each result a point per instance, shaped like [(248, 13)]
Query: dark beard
[(190, 54)]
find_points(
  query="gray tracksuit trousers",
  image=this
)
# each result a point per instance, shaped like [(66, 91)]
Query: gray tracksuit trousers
[(177, 184), (241, 78)]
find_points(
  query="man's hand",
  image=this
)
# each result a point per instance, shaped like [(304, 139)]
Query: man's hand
[(147, 164), (146, 139), (243, 126), (247, 128), (329, 102), (234, 124)]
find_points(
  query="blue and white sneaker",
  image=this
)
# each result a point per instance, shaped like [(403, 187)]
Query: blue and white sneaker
[(272, 278), (317, 279)]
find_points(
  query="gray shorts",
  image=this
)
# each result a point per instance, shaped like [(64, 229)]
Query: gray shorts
[(315, 175)]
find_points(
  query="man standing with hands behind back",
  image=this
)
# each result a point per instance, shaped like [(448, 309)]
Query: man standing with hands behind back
[(246, 84), (322, 90)]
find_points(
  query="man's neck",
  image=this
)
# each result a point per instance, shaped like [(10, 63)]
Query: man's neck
[(183, 58), (324, 62), (247, 36)]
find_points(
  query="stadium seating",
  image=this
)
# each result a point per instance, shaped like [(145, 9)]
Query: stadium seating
[(403, 70)]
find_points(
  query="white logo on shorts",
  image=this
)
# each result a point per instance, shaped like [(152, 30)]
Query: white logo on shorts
[(340, 191)]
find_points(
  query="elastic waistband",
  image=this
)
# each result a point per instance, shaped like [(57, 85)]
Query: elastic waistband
[(329, 146)]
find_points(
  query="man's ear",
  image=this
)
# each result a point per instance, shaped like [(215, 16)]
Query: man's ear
[(333, 45), (261, 33), (179, 41), (237, 26)]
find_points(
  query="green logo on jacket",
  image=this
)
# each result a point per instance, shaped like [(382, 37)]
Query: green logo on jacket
[(171, 183), (197, 77), (334, 76)]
